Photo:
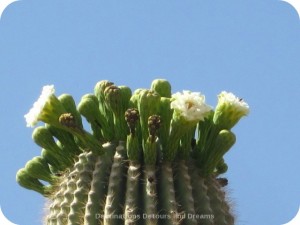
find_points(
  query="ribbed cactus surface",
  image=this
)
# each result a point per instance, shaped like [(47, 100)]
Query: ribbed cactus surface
[(149, 158)]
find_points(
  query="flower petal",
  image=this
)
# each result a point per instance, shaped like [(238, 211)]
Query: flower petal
[(190, 105), (32, 116)]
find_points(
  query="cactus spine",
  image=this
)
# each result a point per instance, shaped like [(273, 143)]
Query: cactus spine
[(152, 158)]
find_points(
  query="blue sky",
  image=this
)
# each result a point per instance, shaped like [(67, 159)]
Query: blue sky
[(248, 47)]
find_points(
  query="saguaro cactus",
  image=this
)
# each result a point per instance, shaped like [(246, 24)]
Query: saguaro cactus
[(150, 157)]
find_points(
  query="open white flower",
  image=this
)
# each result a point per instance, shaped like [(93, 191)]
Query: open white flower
[(190, 105), (32, 116), (237, 104), (230, 109)]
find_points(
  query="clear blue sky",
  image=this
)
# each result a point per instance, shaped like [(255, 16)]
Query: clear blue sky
[(249, 47)]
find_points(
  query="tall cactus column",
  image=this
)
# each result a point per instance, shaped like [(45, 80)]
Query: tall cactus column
[(152, 157)]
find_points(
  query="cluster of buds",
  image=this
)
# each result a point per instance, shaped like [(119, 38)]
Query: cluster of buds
[(157, 125)]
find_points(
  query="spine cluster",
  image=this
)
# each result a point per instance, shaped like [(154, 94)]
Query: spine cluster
[(151, 157)]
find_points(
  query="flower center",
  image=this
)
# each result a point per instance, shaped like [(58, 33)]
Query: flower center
[(189, 104)]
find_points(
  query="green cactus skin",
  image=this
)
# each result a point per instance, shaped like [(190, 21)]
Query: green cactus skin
[(138, 166), (115, 197), (132, 203), (167, 199), (201, 199), (97, 193), (64, 204), (55, 207), (184, 192), (217, 202), (77, 207), (150, 195)]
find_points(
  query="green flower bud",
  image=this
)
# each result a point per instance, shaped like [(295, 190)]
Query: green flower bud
[(44, 138), (54, 160), (70, 106), (162, 87), (91, 97), (221, 167), (89, 108), (117, 100), (148, 104), (39, 168), (126, 95), (99, 93), (224, 141), (65, 138), (84, 139), (104, 110), (100, 88), (113, 98), (165, 113), (28, 182), (133, 103)]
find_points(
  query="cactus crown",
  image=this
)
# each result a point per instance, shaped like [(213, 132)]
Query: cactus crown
[(169, 148)]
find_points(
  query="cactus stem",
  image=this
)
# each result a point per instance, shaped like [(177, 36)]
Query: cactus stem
[(62, 217), (150, 195), (167, 201), (77, 207), (201, 199), (97, 194), (115, 198), (218, 204), (55, 206), (184, 193), (132, 203)]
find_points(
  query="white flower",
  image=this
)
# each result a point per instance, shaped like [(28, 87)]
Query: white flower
[(32, 116), (190, 105), (232, 101), (230, 109)]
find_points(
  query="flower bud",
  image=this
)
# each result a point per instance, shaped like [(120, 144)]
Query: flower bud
[(153, 126), (70, 106), (39, 168), (89, 108), (162, 87), (132, 117), (28, 182), (44, 138), (148, 104), (224, 141)]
